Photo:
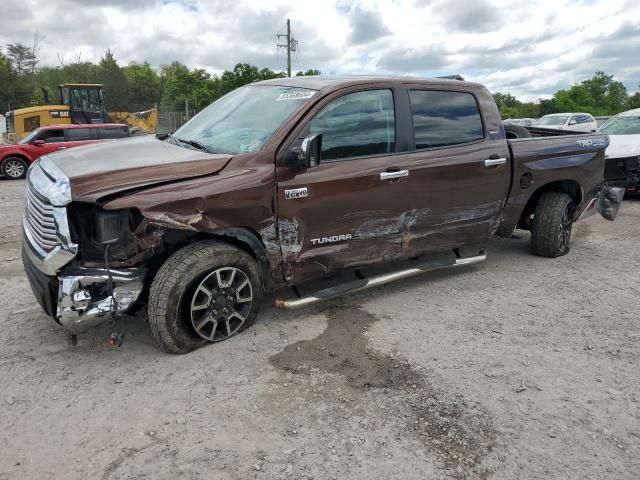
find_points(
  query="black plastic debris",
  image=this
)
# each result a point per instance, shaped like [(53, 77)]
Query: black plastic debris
[(610, 201)]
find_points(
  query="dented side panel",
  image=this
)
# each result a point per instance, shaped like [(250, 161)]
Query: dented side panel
[(241, 196), (350, 217), (448, 199)]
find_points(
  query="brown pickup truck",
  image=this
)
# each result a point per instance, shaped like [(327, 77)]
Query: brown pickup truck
[(288, 180)]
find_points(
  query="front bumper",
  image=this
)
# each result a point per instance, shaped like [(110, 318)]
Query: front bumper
[(79, 298), (76, 298), (623, 172), (85, 300)]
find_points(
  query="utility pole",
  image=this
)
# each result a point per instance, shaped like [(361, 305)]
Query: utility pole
[(291, 45), (288, 48)]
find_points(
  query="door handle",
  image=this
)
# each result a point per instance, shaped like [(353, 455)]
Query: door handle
[(494, 162), (61, 148), (394, 175)]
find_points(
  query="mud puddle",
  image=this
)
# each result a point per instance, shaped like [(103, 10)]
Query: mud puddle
[(459, 433)]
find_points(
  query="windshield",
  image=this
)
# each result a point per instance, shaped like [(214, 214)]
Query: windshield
[(30, 137), (552, 120), (622, 126), (243, 120), (85, 99)]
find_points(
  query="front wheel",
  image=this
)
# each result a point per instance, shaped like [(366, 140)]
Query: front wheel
[(205, 292), (552, 225), (14, 168)]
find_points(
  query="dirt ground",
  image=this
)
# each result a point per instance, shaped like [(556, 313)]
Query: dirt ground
[(517, 368)]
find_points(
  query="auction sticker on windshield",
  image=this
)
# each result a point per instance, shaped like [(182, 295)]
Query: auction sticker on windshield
[(297, 95)]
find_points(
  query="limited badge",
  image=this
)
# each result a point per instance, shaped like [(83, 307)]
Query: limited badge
[(296, 193)]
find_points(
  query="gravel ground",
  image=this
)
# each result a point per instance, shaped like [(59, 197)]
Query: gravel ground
[(518, 368)]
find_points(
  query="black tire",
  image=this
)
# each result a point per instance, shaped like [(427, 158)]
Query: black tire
[(552, 224), (516, 131), (178, 283), (14, 168)]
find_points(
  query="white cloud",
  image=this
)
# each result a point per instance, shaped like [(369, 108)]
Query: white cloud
[(529, 49)]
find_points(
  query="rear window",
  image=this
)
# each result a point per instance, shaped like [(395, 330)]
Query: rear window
[(445, 118), (77, 134), (112, 132), (51, 136)]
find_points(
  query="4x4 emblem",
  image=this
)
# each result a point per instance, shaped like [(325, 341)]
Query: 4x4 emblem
[(296, 193)]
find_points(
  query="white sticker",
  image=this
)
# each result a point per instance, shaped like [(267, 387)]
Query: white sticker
[(297, 95)]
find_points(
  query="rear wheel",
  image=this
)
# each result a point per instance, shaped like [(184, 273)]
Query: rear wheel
[(14, 168), (552, 225), (206, 292)]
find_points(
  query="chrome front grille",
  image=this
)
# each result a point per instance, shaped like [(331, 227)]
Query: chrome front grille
[(39, 220)]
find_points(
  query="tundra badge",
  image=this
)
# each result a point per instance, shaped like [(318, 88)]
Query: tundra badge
[(296, 193), (332, 239)]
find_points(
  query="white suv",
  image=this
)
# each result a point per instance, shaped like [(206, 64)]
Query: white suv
[(578, 122)]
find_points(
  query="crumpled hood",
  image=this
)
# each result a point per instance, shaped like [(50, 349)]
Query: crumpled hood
[(623, 146), (111, 167)]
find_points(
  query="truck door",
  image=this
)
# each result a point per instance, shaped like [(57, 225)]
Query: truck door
[(459, 174), (343, 211)]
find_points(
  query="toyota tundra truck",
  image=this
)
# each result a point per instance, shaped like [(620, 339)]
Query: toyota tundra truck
[(284, 181)]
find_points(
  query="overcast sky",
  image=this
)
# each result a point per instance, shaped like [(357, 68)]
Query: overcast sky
[(530, 48)]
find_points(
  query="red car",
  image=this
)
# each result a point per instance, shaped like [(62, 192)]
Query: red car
[(15, 159)]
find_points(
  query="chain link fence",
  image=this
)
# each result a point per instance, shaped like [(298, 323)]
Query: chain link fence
[(169, 122)]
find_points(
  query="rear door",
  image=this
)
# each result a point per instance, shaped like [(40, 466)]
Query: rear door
[(112, 132), (80, 136), (341, 212), (459, 173)]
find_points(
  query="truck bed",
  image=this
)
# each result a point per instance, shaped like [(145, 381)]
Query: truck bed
[(567, 161)]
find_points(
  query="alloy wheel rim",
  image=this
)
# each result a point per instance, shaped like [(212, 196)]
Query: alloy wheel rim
[(566, 224), (14, 169), (221, 304)]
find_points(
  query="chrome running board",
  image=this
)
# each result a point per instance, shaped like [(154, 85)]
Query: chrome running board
[(367, 283)]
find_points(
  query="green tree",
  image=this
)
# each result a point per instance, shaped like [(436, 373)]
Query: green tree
[(116, 86), (311, 71), (145, 86), (15, 92), (22, 58), (599, 95), (634, 100)]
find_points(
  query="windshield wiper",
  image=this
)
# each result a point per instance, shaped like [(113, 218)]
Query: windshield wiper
[(196, 144), (167, 136)]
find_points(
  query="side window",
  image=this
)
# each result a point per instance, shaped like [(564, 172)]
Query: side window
[(356, 125), (113, 132), (52, 136), (443, 118), (31, 123), (77, 134)]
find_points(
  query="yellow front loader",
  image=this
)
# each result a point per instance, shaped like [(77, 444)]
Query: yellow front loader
[(79, 103)]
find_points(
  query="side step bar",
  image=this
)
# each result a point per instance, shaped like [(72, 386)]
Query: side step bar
[(367, 283)]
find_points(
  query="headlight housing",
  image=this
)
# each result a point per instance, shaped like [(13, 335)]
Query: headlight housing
[(58, 193)]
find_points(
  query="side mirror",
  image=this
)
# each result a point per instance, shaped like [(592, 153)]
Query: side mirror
[(308, 155), (38, 143), (572, 122)]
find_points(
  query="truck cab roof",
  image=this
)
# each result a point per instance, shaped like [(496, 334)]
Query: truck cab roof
[(322, 82)]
